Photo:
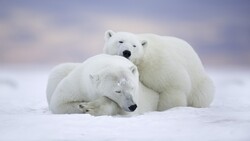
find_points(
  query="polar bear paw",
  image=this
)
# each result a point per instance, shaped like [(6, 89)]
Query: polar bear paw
[(89, 108), (99, 107)]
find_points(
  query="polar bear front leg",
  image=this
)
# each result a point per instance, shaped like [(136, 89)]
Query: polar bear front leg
[(172, 99), (70, 107), (100, 106)]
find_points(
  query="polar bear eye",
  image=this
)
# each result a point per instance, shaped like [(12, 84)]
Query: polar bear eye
[(134, 45), (121, 42), (118, 92)]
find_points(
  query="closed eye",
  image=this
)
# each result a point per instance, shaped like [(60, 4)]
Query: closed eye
[(118, 92), (134, 45)]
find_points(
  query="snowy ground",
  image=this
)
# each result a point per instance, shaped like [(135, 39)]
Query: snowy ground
[(24, 115)]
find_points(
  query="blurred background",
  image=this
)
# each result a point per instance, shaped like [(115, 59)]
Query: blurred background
[(48, 32)]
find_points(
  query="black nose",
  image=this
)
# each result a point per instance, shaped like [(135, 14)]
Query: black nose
[(126, 53), (132, 107)]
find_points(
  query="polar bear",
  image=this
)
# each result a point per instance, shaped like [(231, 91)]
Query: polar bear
[(101, 85), (167, 65)]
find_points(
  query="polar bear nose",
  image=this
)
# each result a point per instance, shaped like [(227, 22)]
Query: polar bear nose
[(132, 107), (126, 53)]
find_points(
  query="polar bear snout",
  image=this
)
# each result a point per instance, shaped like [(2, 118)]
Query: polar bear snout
[(126, 53), (129, 105), (132, 107)]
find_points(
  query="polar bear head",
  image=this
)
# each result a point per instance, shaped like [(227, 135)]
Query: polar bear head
[(124, 44), (118, 84)]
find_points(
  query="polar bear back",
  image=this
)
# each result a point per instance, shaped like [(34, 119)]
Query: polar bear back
[(175, 51), (173, 47), (57, 75)]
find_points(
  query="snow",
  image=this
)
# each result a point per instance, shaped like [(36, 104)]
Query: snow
[(24, 114)]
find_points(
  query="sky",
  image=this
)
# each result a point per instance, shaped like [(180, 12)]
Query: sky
[(51, 32)]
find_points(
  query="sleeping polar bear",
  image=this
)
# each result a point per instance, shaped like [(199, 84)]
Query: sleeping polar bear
[(101, 85)]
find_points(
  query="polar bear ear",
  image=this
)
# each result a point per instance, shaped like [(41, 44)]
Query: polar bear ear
[(94, 77), (144, 43), (108, 34), (133, 69)]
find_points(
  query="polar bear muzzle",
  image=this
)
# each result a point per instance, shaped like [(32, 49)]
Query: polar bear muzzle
[(126, 53), (132, 107)]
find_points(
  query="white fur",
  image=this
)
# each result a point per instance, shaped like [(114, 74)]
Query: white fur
[(167, 65), (102, 85)]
